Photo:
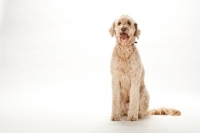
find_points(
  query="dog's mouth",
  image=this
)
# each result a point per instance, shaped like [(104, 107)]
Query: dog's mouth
[(124, 36)]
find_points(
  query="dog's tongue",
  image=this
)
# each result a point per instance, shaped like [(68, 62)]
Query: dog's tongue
[(124, 36)]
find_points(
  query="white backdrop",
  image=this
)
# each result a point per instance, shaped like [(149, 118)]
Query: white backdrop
[(55, 63)]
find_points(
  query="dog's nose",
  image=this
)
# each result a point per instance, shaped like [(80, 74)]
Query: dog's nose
[(123, 29)]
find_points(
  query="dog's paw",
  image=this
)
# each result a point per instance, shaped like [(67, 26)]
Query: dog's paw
[(132, 118), (115, 118)]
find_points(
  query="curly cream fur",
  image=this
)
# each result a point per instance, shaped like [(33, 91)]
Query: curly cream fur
[(129, 95)]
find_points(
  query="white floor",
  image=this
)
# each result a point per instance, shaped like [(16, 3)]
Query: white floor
[(84, 106)]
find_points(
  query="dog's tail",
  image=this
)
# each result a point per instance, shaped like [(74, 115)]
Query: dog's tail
[(164, 111)]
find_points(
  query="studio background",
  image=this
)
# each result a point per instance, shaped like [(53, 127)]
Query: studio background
[(55, 64)]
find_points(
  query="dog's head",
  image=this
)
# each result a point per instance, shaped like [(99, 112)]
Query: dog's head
[(125, 29)]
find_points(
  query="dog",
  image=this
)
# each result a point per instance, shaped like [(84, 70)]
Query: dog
[(129, 94)]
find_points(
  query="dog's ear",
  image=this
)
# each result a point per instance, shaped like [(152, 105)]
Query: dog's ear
[(112, 29), (137, 31)]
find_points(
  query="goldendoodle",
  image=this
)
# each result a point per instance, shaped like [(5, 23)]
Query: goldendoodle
[(129, 95)]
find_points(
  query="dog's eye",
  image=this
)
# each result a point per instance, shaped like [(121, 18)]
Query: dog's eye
[(119, 23), (129, 23)]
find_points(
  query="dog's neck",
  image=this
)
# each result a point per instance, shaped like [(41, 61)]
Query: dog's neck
[(125, 50), (126, 44)]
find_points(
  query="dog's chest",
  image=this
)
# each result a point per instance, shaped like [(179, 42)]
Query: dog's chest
[(124, 75), (124, 59)]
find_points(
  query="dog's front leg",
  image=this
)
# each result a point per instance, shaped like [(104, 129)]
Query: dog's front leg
[(134, 100), (116, 108)]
